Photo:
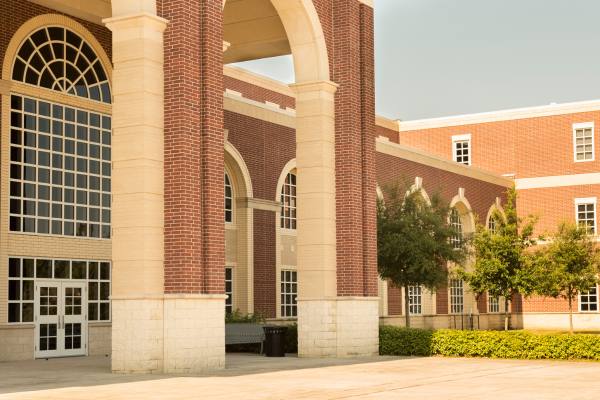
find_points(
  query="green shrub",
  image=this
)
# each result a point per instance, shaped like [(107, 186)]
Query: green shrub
[(492, 344)]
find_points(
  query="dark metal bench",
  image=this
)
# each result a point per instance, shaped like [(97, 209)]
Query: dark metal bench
[(239, 333)]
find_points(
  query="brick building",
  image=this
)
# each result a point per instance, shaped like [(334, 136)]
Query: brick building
[(549, 151), (148, 187)]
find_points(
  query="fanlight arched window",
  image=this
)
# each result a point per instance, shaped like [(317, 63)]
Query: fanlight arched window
[(457, 227), (60, 153), (493, 224), (57, 58), (288, 202), (228, 199)]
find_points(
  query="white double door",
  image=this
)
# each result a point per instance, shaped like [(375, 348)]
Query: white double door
[(60, 319)]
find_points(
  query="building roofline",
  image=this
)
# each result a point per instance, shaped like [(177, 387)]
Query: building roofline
[(258, 80), (415, 155), (501, 115)]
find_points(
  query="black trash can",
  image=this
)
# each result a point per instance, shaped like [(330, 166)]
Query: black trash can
[(275, 341)]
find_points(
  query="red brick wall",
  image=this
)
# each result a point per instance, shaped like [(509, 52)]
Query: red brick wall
[(394, 300), (266, 148), (353, 70), (257, 93), (528, 147), (441, 300), (481, 195), (553, 205), (194, 228), (388, 133)]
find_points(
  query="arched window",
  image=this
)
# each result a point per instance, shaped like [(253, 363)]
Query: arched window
[(228, 199), (456, 225), (60, 155), (288, 202), (57, 58), (492, 224)]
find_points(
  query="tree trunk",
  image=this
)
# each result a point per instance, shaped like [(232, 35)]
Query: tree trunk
[(506, 306), (406, 307), (570, 314)]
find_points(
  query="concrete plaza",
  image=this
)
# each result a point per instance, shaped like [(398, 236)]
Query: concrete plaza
[(253, 377)]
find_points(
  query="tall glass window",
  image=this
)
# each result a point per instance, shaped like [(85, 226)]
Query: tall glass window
[(60, 156), (288, 202), (228, 199), (456, 225), (456, 296)]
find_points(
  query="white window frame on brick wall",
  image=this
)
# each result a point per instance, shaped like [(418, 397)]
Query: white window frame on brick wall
[(587, 297), (456, 289), (456, 139), (493, 304), (580, 127), (288, 293), (415, 300), (229, 291), (586, 201)]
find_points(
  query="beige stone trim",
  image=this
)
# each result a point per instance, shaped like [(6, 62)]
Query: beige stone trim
[(386, 123), (259, 204), (52, 20), (338, 298), (543, 182), (463, 206), (89, 10), (7, 87), (367, 3), (258, 110), (419, 156), (503, 115), (258, 80)]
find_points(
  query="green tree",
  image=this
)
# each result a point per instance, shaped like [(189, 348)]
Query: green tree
[(413, 239), (501, 259), (568, 265)]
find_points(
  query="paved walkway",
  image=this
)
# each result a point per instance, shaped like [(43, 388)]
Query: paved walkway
[(251, 377)]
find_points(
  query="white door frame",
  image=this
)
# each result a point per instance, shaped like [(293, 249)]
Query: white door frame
[(71, 313)]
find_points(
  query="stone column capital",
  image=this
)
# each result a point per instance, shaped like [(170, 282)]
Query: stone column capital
[(142, 19), (314, 86)]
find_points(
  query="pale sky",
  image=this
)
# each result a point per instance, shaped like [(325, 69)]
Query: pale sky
[(446, 57)]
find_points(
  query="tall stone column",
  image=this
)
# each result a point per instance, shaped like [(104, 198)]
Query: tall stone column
[(327, 324), (168, 246), (138, 192)]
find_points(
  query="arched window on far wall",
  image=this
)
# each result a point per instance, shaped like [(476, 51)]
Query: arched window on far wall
[(60, 147), (288, 202), (456, 225), (228, 199)]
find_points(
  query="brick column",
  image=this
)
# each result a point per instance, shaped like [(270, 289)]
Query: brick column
[(138, 193)]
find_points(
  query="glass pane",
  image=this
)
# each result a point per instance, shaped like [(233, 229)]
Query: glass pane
[(44, 269), (78, 270), (62, 270)]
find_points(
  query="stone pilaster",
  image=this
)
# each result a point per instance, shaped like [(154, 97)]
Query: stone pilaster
[(138, 192), (339, 327)]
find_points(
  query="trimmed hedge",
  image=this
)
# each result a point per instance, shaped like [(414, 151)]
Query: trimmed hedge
[(492, 344)]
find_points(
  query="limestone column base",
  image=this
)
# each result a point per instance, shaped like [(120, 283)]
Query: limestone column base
[(173, 334), (341, 327)]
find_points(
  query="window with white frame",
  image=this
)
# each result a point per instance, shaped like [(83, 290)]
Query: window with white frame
[(60, 169), (23, 272), (229, 290), (289, 292), (588, 301), (456, 224), (583, 142), (585, 214), (288, 202), (415, 300), (228, 199), (456, 296), (461, 149), (493, 304), (60, 156)]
